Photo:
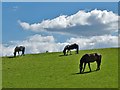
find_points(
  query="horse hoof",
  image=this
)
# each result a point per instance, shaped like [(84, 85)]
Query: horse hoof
[(81, 72), (97, 69)]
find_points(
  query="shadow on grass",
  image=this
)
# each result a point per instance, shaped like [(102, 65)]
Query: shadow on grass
[(11, 57), (15, 56), (64, 55), (61, 55), (85, 72)]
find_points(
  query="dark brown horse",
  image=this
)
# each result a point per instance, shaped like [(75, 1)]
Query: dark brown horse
[(87, 58), (69, 47), (18, 49)]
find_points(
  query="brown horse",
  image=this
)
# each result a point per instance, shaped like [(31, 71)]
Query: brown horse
[(87, 58), (18, 49)]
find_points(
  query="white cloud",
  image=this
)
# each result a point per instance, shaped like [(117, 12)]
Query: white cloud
[(96, 42), (39, 38), (6, 50), (33, 44), (95, 22), (24, 24), (39, 44)]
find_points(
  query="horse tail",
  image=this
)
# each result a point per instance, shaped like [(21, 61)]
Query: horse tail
[(99, 61), (23, 50), (100, 57), (77, 49)]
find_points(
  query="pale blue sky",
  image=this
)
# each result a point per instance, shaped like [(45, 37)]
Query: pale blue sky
[(49, 26), (60, 0), (36, 12), (0, 22)]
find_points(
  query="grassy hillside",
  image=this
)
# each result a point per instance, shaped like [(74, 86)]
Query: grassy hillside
[(53, 70)]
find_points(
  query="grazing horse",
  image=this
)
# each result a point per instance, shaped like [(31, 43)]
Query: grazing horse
[(87, 58), (69, 47), (18, 49)]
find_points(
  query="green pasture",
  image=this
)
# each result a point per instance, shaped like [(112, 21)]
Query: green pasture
[(53, 70)]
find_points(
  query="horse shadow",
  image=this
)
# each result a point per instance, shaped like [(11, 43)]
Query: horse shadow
[(64, 55), (87, 72), (11, 57), (61, 55)]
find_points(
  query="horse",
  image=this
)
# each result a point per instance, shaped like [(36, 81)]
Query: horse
[(88, 58), (69, 47), (18, 49)]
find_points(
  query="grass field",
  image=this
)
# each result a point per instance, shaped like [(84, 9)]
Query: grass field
[(53, 70)]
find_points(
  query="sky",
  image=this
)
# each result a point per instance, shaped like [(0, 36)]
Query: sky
[(49, 26), (60, 1)]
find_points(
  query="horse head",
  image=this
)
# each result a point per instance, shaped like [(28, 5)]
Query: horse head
[(64, 51), (14, 54), (66, 48)]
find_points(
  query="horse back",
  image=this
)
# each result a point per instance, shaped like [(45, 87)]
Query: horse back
[(90, 57), (73, 46), (95, 56), (21, 48)]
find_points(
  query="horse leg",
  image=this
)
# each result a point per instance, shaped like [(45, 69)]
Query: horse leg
[(84, 67), (70, 52), (98, 65), (64, 53), (18, 53), (67, 52), (89, 66), (22, 52), (98, 62), (77, 51)]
